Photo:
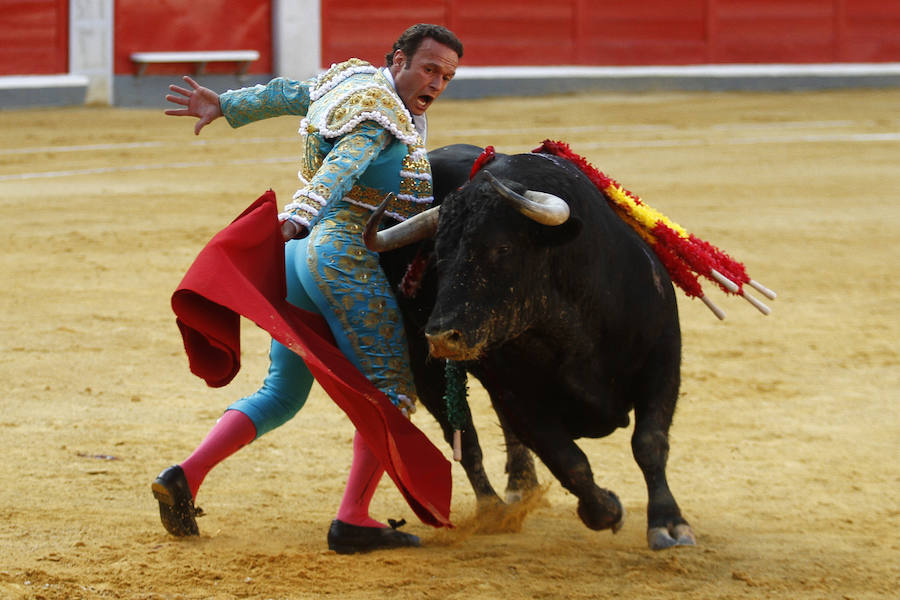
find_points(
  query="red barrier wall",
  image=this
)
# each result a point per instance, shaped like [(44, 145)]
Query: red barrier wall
[(34, 33), (34, 37), (626, 32), (174, 25)]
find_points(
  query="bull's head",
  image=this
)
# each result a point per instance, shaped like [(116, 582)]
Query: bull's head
[(540, 207), (489, 280)]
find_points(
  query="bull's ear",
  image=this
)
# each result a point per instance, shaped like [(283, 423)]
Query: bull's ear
[(561, 234)]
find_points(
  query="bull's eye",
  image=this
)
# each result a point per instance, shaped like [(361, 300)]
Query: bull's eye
[(500, 251)]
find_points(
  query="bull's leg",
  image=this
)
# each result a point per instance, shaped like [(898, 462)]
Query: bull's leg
[(429, 374), (543, 433), (521, 477), (471, 461), (650, 444), (665, 525), (430, 382), (598, 508)]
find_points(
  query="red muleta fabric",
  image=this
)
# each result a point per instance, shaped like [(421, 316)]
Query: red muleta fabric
[(241, 272)]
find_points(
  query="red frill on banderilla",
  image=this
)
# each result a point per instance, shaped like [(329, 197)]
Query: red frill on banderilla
[(685, 256)]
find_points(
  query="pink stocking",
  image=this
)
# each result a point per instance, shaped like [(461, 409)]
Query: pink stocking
[(365, 473), (232, 431)]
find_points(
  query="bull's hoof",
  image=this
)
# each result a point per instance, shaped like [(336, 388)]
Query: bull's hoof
[(487, 506), (513, 496), (617, 526), (606, 512), (522, 483), (660, 538), (508, 518), (525, 495)]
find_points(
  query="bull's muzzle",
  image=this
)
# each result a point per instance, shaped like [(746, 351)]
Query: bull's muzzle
[(447, 344)]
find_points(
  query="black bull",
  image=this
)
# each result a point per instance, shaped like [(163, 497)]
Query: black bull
[(568, 327)]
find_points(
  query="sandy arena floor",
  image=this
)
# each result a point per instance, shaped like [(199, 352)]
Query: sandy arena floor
[(784, 449)]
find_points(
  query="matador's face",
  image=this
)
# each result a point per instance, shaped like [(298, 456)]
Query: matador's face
[(420, 79)]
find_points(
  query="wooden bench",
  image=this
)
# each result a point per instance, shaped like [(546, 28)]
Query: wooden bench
[(243, 58)]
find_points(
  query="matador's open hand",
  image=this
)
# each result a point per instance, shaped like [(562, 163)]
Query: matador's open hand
[(201, 102)]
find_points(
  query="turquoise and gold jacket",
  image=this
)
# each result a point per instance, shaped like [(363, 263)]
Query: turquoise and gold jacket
[(359, 142)]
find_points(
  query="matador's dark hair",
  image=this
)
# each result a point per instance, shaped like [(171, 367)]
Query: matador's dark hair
[(410, 40)]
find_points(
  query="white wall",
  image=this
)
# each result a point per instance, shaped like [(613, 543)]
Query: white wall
[(296, 38), (91, 46), (296, 42)]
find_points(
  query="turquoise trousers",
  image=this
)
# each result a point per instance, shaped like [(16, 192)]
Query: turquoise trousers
[(333, 274)]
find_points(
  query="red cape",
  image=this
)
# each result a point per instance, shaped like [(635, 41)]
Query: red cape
[(241, 272)]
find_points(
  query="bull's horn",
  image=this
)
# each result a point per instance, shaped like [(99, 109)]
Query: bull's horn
[(542, 207), (410, 231)]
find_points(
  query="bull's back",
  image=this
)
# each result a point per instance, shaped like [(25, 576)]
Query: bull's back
[(450, 167), (620, 291)]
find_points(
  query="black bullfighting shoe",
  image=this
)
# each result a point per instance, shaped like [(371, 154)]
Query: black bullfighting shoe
[(176, 506), (344, 538)]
